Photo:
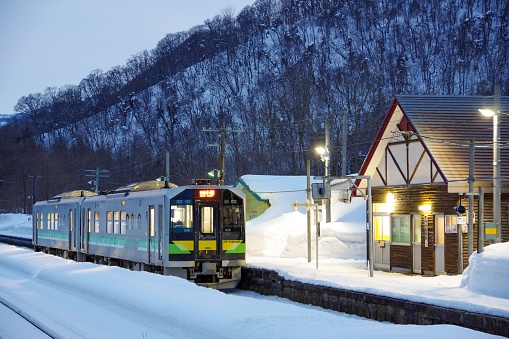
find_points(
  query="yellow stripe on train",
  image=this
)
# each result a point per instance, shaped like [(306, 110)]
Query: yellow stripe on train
[(185, 244), (229, 244), (207, 245)]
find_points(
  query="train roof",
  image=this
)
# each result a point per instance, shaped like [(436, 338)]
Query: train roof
[(145, 186), (74, 194)]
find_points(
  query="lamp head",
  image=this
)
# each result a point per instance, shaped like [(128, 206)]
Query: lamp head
[(320, 150), (324, 153), (487, 112)]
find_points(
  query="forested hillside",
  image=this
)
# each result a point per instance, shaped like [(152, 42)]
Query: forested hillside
[(272, 76)]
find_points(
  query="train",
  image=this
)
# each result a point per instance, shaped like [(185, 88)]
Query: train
[(195, 232)]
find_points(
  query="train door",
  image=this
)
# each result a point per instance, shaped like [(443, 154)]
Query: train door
[(72, 237), (181, 246), (151, 235), (86, 227), (208, 235), (160, 233), (37, 220), (232, 234)]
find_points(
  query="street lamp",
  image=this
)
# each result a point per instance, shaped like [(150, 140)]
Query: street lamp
[(215, 173), (325, 157), (497, 193)]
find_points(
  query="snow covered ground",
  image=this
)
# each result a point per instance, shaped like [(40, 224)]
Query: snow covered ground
[(101, 301)]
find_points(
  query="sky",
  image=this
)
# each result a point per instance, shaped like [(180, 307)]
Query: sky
[(53, 43), (121, 303)]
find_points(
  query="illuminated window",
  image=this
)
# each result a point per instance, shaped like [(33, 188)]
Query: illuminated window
[(109, 222), (181, 218), (207, 219), (382, 228), (123, 221), (416, 224), (116, 222), (96, 222)]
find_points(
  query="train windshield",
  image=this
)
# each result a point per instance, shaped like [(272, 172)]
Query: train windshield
[(232, 213), (182, 218)]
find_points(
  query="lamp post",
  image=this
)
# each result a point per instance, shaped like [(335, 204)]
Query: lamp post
[(497, 192), (325, 157)]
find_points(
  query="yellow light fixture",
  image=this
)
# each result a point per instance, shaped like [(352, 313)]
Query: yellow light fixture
[(390, 202), (425, 208)]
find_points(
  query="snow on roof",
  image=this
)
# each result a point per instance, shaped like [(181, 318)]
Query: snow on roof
[(275, 183)]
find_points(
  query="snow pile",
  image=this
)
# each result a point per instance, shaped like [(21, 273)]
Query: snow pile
[(281, 232), (16, 225), (94, 301), (488, 272)]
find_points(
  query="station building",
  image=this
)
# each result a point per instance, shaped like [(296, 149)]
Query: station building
[(419, 166)]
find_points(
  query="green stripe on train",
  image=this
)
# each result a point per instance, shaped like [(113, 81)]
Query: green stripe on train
[(177, 249), (239, 248), (53, 235)]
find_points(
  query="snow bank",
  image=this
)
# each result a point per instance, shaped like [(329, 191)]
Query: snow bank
[(16, 225), (281, 232), (488, 272)]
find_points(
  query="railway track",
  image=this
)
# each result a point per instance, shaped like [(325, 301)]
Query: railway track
[(30, 324), (16, 241)]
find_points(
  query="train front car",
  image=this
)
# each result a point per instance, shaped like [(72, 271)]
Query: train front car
[(207, 235)]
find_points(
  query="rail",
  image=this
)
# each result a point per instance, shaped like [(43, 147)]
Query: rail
[(16, 241)]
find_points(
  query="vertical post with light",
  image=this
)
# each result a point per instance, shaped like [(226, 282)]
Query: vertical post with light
[(497, 192), (325, 157)]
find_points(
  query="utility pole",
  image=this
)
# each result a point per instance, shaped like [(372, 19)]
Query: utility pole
[(308, 214), (327, 173), (497, 183), (344, 145), (470, 202), (167, 178), (222, 149), (97, 173), (33, 187)]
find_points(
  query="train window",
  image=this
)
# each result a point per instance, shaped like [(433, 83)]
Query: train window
[(207, 219), (131, 222), (96, 222), (232, 212), (89, 220), (56, 221), (232, 218), (109, 222), (116, 222), (137, 222), (123, 221), (181, 218)]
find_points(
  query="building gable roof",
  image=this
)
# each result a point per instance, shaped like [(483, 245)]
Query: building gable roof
[(445, 125)]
